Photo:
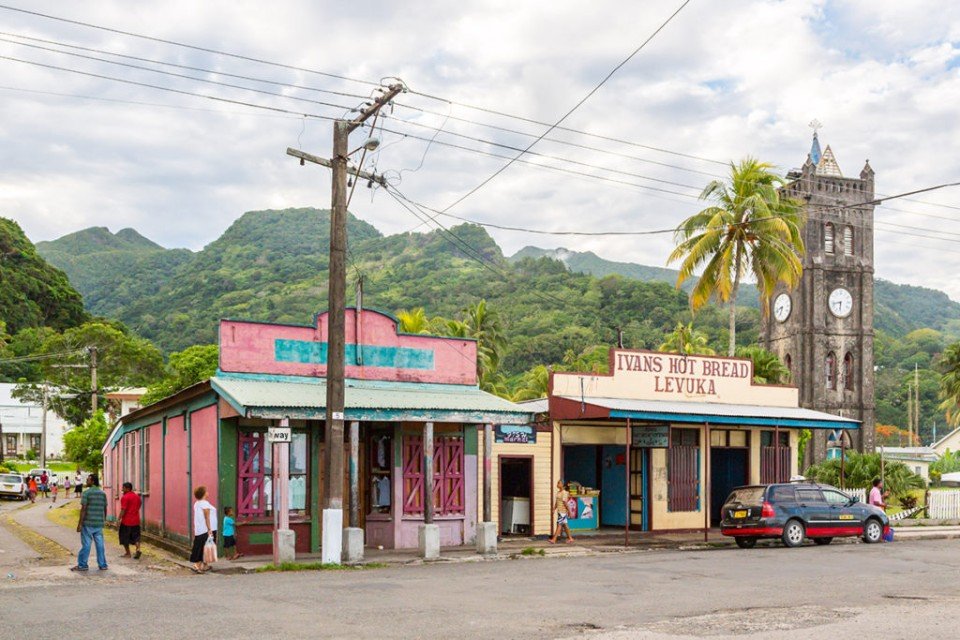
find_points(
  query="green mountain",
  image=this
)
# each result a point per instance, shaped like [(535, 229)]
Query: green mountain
[(32, 292), (898, 309), (271, 265), (113, 270)]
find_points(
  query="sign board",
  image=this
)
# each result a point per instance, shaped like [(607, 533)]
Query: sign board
[(515, 434), (278, 434), (651, 437)]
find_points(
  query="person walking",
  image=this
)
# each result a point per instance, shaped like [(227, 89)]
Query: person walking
[(129, 520), (66, 486), (77, 485), (93, 514), (44, 484), (32, 489), (204, 526), (560, 508)]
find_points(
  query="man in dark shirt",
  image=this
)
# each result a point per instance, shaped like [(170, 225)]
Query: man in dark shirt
[(129, 520), (93, 513)]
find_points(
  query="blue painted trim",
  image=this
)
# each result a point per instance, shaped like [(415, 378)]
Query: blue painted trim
[(766, 422), (310, 352), (348, 382)]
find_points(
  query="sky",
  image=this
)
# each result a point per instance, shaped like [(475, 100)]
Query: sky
[(722, 81)]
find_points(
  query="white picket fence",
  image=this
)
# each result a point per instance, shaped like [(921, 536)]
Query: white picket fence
[(859, 494), (943, 505)]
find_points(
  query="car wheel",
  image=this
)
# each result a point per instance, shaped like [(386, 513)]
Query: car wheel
[(746, 543), (822, 541), (793, 533), (872, 531)]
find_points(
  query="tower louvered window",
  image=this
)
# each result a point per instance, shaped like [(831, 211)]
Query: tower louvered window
[(828, 237), (848, 241), (831, 371)]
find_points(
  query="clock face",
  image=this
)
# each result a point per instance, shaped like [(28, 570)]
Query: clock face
[(781, 307), (840, 303)]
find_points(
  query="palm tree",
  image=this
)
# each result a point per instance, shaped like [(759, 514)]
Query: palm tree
[(414, 321), (686, 340), (767, 366), (483, 324), (748, 230), (950, 383)]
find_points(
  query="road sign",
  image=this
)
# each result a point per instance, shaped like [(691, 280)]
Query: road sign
[(278, 434)]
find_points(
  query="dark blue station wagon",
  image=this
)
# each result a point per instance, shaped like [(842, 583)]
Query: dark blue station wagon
[(796, 511)]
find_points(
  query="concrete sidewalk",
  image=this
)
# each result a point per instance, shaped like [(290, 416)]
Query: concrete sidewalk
[(584, 544)]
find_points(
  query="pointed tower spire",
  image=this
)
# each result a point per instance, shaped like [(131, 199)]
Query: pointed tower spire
[(815, 147), (828, 165)]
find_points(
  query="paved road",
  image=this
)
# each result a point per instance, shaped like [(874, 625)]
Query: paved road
[(901, 590)]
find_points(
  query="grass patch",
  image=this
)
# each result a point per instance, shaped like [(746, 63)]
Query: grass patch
[(533, 551), (47, 548), (319, 566), (66, 516), (20, 466)]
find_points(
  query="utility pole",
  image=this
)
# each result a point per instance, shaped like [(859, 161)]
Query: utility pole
[(93, 378), (332, 543), (916, 401)]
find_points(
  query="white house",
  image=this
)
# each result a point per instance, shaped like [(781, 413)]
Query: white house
[(917, 459), (21, 422), (950, 442)]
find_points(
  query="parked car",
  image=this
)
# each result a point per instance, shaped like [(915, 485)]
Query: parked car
[(37, 472), (13, 485), (796, 511)]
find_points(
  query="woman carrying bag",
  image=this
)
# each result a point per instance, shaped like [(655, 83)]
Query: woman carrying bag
[(204, 550)]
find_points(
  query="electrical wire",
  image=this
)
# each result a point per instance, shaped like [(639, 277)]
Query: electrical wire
[(570, 112), (188, 46)]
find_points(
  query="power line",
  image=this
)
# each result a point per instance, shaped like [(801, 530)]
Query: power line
[(358, 96), (179, 75), (569, 112), (188, 46)]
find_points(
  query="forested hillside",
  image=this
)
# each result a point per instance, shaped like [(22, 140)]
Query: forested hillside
[(271, 265)]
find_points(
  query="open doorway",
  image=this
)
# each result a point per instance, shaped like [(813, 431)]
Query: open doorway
[(516, 494)]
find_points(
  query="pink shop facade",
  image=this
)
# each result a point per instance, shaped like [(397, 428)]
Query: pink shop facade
[(214, 434)]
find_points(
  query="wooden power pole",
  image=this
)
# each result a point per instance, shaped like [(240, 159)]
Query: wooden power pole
[(332, 544)]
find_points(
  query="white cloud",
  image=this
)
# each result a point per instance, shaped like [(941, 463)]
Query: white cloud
[(723, 81)]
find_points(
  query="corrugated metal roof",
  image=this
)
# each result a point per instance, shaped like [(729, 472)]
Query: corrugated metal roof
[(540, 405), (359, 396), (748, 411)]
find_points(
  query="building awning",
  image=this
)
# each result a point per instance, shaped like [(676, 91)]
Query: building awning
[(276, 397), (715, 413)]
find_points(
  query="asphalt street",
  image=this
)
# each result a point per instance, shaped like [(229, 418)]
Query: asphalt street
[(906, 589)]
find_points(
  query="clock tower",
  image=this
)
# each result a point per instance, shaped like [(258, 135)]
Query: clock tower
[(823, 329)]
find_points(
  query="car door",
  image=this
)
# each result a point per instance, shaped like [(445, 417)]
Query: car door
[(814, 511), (844, 519)]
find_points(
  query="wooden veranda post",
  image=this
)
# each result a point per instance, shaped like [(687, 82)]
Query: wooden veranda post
[(705, 499), (626, 527), (487, 471), (428, 506)]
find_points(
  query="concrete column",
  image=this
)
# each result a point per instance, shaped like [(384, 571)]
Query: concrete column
[(429, 533), (353, 535), (284, 539), (487, 530)]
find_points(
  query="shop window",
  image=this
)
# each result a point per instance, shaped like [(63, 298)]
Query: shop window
[(254, 477), (381, 463), (828, 237), (448, 498), (775, 461), (766, 438), (683, 470), (831, 371), (848, 373), (145, 457)]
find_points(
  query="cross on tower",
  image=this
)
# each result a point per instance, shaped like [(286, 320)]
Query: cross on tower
[(816, 125)]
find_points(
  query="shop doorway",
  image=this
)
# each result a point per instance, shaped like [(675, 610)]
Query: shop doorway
[(516, 494), (729, 468), (598, 475)]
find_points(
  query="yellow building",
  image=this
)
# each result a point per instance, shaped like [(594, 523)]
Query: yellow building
[(696, 426)]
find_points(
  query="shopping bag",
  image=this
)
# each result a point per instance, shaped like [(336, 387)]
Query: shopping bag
[(888, 536), (210, 551)]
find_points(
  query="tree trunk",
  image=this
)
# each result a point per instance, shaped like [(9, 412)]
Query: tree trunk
[(732, 348)]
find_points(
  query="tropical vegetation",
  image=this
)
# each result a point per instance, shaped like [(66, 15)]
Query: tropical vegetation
[(860, 469), (750, 229)]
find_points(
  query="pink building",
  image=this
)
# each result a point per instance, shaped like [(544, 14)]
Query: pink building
[(214, 433)]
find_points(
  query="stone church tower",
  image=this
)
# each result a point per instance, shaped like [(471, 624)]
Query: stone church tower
[(823, 329)]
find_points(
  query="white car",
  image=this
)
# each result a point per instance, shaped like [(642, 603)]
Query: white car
[(13, 485), (37, 473)]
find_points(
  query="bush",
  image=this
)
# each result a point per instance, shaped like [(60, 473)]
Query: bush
[(32, 454), (907, 501), (861, 469)]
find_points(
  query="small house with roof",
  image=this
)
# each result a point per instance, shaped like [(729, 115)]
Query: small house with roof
[(214, 433)]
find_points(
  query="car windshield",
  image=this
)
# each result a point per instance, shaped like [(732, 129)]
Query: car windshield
[(10, 479), (747, 495)]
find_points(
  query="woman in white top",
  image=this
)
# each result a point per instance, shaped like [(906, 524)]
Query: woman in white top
[(204, 525)]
